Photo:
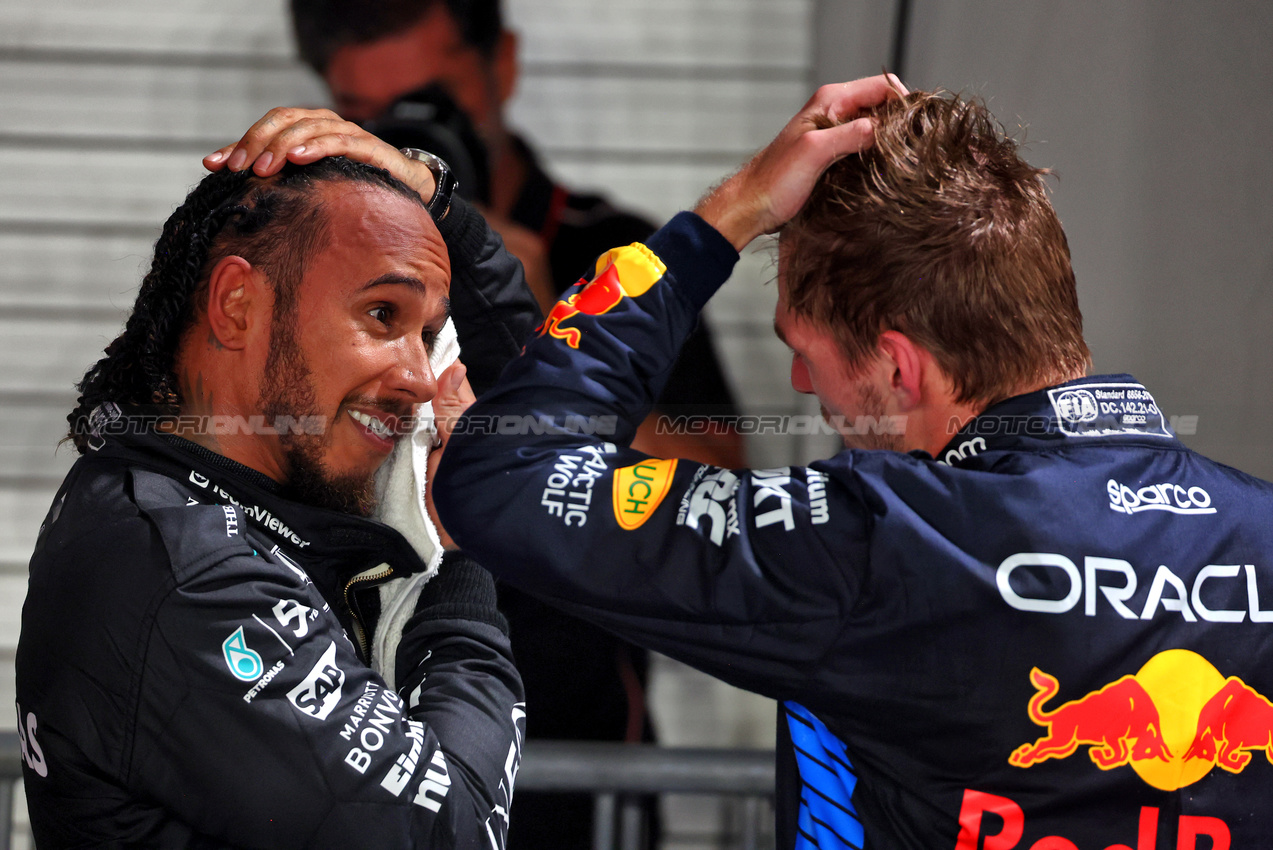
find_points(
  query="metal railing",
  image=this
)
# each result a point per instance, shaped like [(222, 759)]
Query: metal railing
[(617, 775)]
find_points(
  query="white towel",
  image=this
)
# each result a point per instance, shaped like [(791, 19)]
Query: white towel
[(400, 484)]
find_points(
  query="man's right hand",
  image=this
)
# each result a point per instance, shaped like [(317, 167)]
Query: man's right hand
[(303, 136), (772, 187), (454, 396)]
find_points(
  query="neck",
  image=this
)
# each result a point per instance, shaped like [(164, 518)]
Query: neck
[(222, 416), (932, 428)]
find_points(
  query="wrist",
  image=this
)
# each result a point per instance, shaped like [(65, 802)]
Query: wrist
[(731, 219), (437, 182)]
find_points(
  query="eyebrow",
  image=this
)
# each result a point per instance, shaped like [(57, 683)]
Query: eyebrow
[(392, 279)]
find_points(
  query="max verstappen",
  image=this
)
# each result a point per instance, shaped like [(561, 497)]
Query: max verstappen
[(1014, 612), (194, 665)]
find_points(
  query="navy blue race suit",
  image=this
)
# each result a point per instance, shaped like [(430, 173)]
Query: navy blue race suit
[(193, 666), (1055, 634)]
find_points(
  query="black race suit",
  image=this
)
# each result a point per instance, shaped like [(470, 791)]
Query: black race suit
[(1056, 634), (192, 669)]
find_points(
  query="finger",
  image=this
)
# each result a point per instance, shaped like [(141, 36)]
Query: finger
[(844, 101), (250, 144), (339, 140), (267, 128), (843, 139), (294, 139), (453, 398), (215, 161)]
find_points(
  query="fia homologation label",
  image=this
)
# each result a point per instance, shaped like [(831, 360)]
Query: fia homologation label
[(1093, 410)]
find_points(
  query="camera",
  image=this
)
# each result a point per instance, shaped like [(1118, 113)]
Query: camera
[(429, 119)]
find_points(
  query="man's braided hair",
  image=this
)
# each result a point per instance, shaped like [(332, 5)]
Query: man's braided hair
[(274, 223)]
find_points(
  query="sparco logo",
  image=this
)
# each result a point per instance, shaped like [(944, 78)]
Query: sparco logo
[(1077, 406), (1158, 497)]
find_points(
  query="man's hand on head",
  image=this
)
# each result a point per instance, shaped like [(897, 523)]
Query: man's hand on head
[(771, 188), (290, 134)]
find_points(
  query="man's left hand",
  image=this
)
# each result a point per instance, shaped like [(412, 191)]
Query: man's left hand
[(289, 134)]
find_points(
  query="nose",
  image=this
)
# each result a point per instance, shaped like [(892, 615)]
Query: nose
[(800, 381), (412, 377)]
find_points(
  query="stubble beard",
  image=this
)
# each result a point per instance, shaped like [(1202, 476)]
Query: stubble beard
[(870, 404), (288, 390)]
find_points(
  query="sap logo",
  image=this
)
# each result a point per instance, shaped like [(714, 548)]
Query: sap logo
[(1077, 406), (1158, 497), (243, 662), (965, 450), (709, 501), (32, 755), (319, 692)]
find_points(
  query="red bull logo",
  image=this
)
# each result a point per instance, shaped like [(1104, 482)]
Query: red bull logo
[(1233, 721), (1118, 722), (624, 271), (1173, 721), (1010, 819)]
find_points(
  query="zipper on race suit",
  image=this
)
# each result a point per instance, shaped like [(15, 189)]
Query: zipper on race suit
[(363, 580)]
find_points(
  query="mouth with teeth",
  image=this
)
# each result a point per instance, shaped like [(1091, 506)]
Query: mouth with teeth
[(385, 429)]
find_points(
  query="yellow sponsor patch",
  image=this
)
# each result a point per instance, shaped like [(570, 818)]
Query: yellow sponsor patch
[(639, 489), (638, 267)]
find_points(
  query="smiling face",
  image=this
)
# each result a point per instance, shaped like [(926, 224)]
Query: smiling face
[(351, 347)]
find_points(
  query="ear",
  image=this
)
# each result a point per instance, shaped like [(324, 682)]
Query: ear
[(909, 363), (236, 293), (505, 66)]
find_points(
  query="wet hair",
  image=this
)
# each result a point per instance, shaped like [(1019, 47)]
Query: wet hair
[(323, 27), (942, 231), (274, 223)]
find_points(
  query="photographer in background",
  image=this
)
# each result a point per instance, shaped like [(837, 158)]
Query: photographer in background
[(581, 682)]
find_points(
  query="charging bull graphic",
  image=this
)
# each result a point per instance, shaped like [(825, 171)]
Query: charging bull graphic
[(623, 271), (1174, 721), (1236, 719), (1119, 722)]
